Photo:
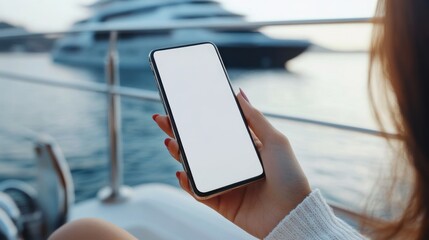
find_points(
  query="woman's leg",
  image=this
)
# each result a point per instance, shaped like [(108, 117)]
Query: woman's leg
[(90, 228)]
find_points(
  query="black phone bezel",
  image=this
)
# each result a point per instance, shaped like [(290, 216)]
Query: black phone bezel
[(176, 133)]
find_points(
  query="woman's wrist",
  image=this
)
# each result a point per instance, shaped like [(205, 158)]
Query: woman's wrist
[(285, 207)]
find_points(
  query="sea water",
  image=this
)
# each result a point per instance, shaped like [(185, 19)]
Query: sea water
[(322, 86)]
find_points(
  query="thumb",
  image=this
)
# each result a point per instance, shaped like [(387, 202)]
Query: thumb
[(256, 120)]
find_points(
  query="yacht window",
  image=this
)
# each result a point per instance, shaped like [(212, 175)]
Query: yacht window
[(152, 33), (113, 16), (202, 16), (71, 49), (104, 36), (237, 31), (206, 2)]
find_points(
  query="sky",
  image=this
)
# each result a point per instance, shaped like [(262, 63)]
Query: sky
[(50, 15)]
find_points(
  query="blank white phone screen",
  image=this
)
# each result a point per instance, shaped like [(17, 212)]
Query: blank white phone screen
[(214, 137)]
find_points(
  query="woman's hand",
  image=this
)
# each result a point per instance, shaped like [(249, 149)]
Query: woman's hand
[(258, 207)]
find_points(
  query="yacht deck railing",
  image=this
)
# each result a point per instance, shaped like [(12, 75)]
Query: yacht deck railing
[(147, 95), (4, 34)]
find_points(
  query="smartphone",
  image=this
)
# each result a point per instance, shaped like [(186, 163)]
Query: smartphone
[(216, 148)]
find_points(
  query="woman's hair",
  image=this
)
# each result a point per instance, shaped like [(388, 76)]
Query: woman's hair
[(400, 50)]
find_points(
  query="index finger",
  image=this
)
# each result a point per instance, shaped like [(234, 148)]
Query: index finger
[(163, 122)]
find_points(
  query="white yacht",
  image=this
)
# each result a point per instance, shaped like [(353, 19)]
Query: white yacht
[(239, 48)]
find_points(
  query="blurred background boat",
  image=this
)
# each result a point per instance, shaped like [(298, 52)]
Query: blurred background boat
[(242, 48), (34, 45)]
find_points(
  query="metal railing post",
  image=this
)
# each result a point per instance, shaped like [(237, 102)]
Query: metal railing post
[(115, 191)]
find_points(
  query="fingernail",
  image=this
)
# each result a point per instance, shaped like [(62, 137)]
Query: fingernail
[(155, 116), (244, 95), (178, 175), (167, 141)]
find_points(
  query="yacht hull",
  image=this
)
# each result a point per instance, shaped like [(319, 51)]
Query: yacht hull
[(134, 56), (254, 56)]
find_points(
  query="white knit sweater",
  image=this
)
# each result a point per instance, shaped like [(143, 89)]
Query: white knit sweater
[(313, 219)]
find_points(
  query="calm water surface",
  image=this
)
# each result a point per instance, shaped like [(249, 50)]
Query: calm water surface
[(322, 86)]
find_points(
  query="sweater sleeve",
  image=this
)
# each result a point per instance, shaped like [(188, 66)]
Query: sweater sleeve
[(313, 219)]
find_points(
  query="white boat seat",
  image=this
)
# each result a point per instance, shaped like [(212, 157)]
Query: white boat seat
[(158, 211)]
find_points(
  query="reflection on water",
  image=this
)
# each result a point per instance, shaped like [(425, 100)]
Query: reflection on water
[(329, 87)]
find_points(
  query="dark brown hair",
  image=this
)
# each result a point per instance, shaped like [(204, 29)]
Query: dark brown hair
[(400, 50)]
